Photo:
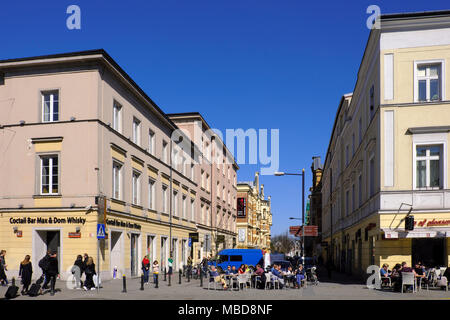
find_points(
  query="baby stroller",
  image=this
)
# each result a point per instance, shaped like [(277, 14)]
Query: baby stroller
[(311, 276)]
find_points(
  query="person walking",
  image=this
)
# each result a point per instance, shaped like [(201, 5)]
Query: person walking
[(170, 264), (3, 268), (80, 265), (52, 272), (43, 264), (146, 268), (155, 270), (25, 272), (189, 266), (89, 271)]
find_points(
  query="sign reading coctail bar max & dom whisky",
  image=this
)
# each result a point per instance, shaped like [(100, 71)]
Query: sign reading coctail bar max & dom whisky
[(50, 220), (118, 223)]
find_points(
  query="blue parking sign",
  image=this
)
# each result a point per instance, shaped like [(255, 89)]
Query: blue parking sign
[(101, 231)]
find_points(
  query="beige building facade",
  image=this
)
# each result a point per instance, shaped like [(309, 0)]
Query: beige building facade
[(388, 153), (254, 216), (75, 128)]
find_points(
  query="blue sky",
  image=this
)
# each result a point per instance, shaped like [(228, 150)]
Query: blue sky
[(278, 64)]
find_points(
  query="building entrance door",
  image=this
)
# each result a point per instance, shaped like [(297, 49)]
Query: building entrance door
[(430, 251), (116, 253), (43, 241), (134, 255)]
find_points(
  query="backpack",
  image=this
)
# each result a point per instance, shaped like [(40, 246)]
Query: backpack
[(43, 263)]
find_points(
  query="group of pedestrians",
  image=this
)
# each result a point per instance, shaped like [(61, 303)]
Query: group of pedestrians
[(85, 264), (146, 270)]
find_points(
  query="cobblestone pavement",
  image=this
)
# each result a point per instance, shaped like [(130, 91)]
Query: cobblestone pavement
[(339, 288)]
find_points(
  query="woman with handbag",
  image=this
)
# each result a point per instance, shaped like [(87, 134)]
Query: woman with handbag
[(90, 272), (25, 272)]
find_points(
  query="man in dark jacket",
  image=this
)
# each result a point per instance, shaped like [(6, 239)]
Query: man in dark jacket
[(43, 264), (52, 272)]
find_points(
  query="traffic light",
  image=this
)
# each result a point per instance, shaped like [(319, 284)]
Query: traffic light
[(409, 223)]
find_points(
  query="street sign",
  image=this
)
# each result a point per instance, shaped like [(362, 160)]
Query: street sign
[(101, 231), (190, 242), (310, 231), (193, 236), (294, 229)]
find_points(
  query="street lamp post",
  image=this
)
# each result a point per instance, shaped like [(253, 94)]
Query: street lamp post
[(303, 205)]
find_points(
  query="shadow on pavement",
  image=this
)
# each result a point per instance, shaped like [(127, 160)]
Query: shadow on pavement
[(337, 277)]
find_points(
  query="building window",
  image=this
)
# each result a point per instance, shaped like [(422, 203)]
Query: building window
[(136, 131), (347, 156), (203, 213), (360, 130), (50, 106), (372, 101), (428, 166), (202, 177), (353, 144), (428, 82), (360, 190), (192, 210), (347, 203), (117, 117), (353, 198), (117, 180), (151, 142), (192, 172), (372, 176), (164, 151), (175, 203), (164, 198), (184, 206), (136, 188), (151, 194), (49, 175)]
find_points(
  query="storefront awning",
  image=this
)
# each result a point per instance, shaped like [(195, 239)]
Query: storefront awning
[(417, 233)]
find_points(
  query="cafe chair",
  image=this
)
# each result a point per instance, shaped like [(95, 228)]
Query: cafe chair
[(408, 279)]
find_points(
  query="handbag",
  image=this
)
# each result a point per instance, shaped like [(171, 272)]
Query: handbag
[(442, 282)]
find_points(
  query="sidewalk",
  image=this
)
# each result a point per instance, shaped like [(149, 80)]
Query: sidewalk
[(341, 288)]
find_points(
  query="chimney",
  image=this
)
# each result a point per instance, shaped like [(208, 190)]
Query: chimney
[(262, 191), (257, 181)]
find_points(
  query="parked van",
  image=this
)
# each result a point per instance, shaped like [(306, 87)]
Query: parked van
[(236, 257)]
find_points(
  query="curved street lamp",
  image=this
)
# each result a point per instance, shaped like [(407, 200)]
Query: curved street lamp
[(278, 174)]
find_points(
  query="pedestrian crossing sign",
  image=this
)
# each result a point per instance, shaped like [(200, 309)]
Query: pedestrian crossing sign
[(100, 231)]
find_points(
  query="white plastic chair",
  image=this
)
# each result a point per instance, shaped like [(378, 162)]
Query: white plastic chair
[(242, 279), (408, 278), (268, 278), (276, 282)]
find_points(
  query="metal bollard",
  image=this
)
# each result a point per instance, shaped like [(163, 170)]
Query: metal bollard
[(142, 282), (201, 278), (124, 284), (170, 278), (165, 274), (13, 282), (156, 281), (179, 276), (189, 275)]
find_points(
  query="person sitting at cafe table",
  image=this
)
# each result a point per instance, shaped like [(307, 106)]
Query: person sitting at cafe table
[(420, 273), (233, 270), (241, 269), (290, 276), (228, 271), (277, 273), (259, 272), (299, 276), (217, 277)]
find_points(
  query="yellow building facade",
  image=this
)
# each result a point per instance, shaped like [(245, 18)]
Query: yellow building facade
[(388, 154), (254, 216)]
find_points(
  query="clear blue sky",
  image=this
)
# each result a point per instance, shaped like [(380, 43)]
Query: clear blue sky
[(279, 64)]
